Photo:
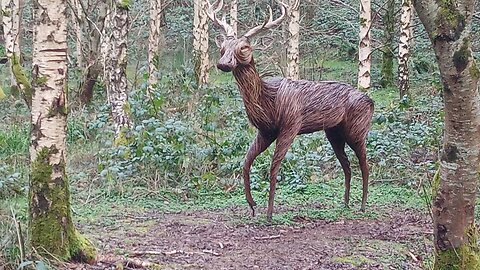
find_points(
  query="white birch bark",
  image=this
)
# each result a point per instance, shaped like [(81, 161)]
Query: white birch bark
[(234, 16), (77, 19), (293, 40), (200, 43), (115, 53), (404, 47), (154, 42), (364, 50), (51, 230), (12, 11)]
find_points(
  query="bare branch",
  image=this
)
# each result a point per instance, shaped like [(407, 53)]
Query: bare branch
[(212, 14)]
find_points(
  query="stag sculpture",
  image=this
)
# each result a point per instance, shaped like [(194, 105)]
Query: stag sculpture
[(281, 108)]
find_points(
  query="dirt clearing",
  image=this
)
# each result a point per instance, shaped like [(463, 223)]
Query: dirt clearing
[(217, 240)]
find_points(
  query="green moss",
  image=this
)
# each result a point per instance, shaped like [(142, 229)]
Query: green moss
[(82, 249), (127, 109), (123, 4), (474, 72), (122, 139), (2, 94), (449, 20), (22, 79), (465, 257), (41, 81), (462, 56), (52, 232)]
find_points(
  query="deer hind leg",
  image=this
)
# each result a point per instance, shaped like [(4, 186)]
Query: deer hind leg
[(260, 144), (284, 140), (360, 150), (337, 141)]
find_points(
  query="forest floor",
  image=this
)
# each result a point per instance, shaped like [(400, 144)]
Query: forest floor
[(135, 235)]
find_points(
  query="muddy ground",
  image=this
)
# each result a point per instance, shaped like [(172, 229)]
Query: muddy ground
[(217, 240)]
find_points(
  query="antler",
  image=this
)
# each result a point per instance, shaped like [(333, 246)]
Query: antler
[(269, 22), (212, 14)]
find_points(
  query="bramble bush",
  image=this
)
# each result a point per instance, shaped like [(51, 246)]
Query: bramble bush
[(192, 138)]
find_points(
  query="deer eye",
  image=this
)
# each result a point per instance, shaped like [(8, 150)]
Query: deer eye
[(244, 48), (222, 51)]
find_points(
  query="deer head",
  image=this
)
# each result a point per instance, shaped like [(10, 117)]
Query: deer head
[(238, 51)]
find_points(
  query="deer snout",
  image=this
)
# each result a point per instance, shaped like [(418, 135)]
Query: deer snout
[(226, 67), (226, 64)]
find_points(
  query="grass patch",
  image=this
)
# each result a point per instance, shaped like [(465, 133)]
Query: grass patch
[(313, 201)]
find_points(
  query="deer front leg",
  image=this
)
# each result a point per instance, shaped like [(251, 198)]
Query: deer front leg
[(284, 141), (260, 144)]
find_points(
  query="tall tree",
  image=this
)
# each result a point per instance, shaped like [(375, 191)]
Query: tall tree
[(293, 40), (154, 41), (234, 16), (94, 24), (115, 54), (448, 25), (388, 47), (364, 50), (12, 10), (78, 21), (200, 41), (404, 47), (52, 232)]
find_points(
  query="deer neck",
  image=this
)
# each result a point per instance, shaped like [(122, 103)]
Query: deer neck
[(258, 103)]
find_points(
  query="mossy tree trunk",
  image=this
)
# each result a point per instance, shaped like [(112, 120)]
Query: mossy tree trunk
[(388, 36), (364, 48), (448, 24), (115, 53), (51, 229), (12, 12), (293, 40), (404, 48)]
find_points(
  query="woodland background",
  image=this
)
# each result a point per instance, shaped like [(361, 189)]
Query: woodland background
[(186, 149)]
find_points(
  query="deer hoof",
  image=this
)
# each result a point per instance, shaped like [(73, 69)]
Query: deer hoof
[(269, 218)]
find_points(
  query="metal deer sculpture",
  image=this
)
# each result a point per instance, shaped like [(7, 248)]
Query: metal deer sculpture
[(281, 109)]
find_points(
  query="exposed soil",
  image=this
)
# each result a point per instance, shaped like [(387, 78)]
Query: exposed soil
[(213, 240)]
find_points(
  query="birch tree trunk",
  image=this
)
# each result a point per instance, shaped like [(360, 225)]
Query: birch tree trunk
[(234, 16), (12, 11), (77, 19), (293, 40), (448, 24), (200, 41), (388, 47), (115, 54), (51, 230), (364, 50), (154, 42), (404, 47)]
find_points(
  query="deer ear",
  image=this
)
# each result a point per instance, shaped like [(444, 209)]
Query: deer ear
[(219, 39)]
